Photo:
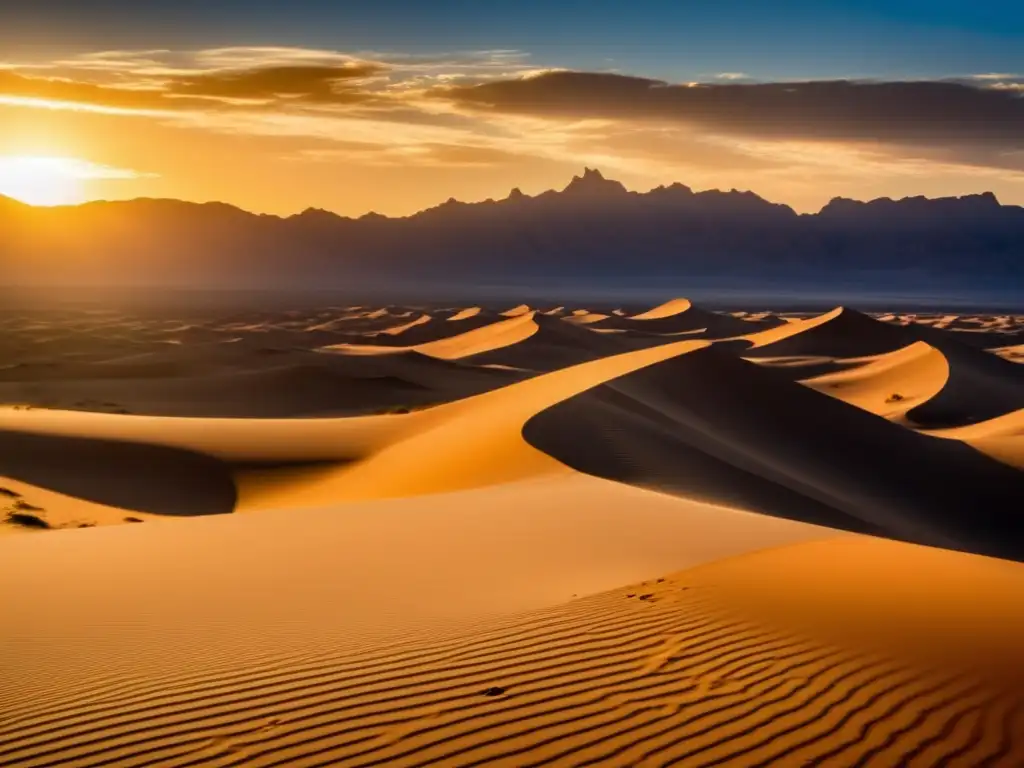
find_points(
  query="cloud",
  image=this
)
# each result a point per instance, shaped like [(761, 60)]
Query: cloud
[(63, 92), (926, 112), (275, 77), (487, 108), (67, 167), (310, 84)]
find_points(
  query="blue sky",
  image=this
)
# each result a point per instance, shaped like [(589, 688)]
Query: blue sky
[(677, 39)]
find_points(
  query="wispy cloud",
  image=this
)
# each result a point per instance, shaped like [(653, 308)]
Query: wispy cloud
[(63, 105)]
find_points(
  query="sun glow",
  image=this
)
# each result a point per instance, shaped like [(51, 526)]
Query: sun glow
[(38, 180), (42, 180)]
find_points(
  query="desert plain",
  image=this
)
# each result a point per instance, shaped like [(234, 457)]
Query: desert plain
[(511, 536)]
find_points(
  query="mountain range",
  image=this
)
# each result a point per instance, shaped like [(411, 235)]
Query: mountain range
[(594, 231)]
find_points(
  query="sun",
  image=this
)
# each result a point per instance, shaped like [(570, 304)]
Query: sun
[(43, 180)]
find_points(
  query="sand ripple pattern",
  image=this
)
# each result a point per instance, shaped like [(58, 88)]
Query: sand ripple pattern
[(664, 676)]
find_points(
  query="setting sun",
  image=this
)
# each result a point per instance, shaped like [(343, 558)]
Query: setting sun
[(43, 180)]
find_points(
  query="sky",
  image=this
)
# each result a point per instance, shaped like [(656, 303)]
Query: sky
[(393, 106)]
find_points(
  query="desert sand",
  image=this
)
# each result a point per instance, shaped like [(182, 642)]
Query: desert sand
[(513, 536)]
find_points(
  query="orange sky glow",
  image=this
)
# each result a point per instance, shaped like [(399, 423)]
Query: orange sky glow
[(278, 130)]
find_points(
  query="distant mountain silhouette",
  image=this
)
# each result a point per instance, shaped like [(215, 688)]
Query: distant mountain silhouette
[(594, 230)]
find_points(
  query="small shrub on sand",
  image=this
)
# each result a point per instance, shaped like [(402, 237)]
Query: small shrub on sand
[(895, 397), (26, 520), (9, 493), (134, 520)]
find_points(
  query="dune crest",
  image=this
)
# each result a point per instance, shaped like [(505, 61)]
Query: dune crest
[(464, 314), (669, 308), (511, 330), (840, 332)]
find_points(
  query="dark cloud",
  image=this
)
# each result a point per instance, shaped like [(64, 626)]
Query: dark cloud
[(313, 84), (927, 112)]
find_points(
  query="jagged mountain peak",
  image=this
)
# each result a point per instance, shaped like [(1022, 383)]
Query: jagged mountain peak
[(592, 182)]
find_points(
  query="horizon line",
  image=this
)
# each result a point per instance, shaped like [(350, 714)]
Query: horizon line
[(514, 192)]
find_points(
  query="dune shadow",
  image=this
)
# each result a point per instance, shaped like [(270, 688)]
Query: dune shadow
[(981, 386), (131, 476), (710, 426)]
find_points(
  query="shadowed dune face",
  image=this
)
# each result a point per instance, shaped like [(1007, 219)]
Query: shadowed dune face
[(980, 386), (840, 333), (716, 427), (130, 476)]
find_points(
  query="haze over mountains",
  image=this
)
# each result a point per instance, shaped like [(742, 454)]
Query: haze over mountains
[(594, 231)]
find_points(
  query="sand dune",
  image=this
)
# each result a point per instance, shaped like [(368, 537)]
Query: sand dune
[(235, 380), (679, 316), (466, 444), (669, 308), (291, 390), (516, 311), (429, 329), (464, 314), (692, 426), (459, 345), (889, 384), (1014, 353), (586, 318), (919, 373), (980, 386), (610, 539), (1002, 438), (741, 662), (841, 332), (397, 329)]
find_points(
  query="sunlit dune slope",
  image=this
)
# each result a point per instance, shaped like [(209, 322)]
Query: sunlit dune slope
[(427, 328), (459, 344), (889, 384), (796, 655), (464, 314), (465, 444), (679, 316), (1002, 438), (527, 340)]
